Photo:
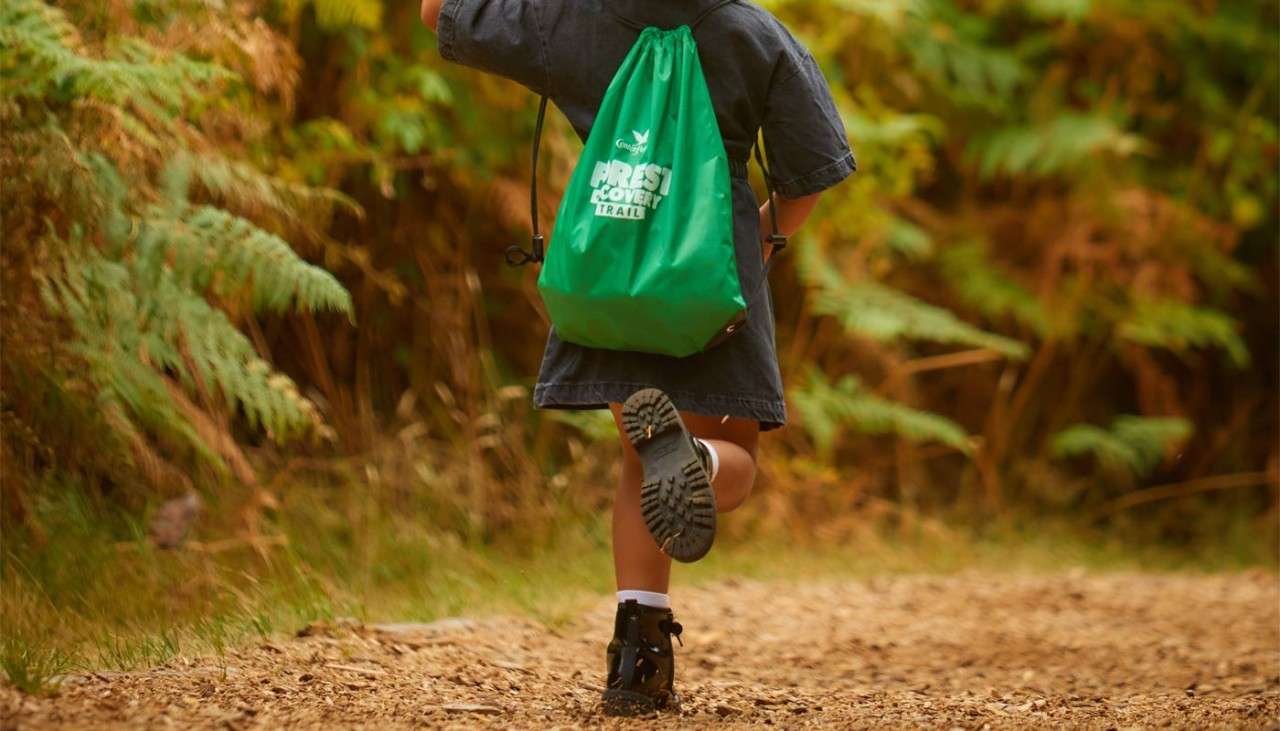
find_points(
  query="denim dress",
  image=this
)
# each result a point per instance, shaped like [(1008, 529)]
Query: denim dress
[(760, 78)]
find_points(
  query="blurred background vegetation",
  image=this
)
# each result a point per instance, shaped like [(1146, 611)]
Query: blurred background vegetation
[(261, 359)]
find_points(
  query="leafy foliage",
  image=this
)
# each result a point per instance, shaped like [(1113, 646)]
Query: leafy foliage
[(873, 310), (1057, 146), (1078, 174), (1063, 214), (99, 154), (826, 408), (1178, 326), (1132, 443), (981, 284), (340, 13)]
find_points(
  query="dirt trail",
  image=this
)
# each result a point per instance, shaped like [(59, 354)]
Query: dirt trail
[(968, 651)]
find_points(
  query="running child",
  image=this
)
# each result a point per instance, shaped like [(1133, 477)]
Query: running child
[(688, 425)]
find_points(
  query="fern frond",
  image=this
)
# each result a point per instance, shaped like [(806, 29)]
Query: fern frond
[(1133, 443), (39, 38), (892, 129), (825, 408), (881, 313), (1178, 326), (129, 261), (982, 285), (95, 297), (133, 324), (950, 47), (893, 13), (1059, 145), (243, 188), (210, 246), (189, 328), (909, 240)]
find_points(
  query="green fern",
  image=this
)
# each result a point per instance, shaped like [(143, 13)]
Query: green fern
[(826, 408), (57, 69), (209, 247), (138, 267), (909, 240), (891, 129), (881, 313), (1062, 144), (244, 189), (1178, 326), (335, 14), (950, 47), (96, 299), (984, 287), (1133, 444)]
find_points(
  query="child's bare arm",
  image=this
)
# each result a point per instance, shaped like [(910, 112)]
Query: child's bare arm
[(792, 213), (431, 12)]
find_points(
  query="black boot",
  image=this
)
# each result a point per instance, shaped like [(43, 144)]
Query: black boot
[(676, 499), (641, 663)]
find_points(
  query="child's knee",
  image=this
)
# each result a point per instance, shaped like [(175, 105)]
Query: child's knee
[(747, 482), (632, 468)]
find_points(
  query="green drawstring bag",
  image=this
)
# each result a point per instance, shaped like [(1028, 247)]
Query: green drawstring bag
[(642, 255)]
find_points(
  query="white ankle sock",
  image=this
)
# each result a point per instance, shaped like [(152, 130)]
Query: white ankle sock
[(715, 458), (647, 598)]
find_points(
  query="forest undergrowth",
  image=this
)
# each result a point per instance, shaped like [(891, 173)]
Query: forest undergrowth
[(261, 362)]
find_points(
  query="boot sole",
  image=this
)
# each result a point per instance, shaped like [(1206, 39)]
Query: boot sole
[(627, 703), (617, 702), (676, 499)]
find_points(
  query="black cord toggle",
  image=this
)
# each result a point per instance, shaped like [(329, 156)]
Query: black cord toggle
[(518, 257), (778, 242)]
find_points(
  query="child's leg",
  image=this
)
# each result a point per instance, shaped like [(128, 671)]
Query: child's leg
[(638, 564), (735, 443), (640, 659)]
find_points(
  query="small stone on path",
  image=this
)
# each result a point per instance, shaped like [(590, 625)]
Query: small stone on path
[(471, 708)]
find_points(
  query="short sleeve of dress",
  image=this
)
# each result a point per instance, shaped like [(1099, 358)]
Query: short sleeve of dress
[(804, 137), (503, 37)]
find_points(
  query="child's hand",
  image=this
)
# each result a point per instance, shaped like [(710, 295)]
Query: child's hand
[(792, 213)]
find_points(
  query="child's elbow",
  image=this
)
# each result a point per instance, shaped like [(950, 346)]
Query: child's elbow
[(431, 12)]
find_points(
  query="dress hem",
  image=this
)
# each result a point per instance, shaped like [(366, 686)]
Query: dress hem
[(770, 413)]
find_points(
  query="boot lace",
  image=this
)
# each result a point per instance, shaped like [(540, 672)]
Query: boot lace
[(672, 628)]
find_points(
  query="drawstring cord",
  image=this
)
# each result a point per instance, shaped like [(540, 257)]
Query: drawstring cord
[(516, 256), (777, 241)]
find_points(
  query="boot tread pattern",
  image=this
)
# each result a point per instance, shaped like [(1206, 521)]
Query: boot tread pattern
[(676, 498)]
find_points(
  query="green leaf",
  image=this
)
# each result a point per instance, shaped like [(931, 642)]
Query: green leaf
[(1063, 144), (826, 408), (873, 310), (1133, 443), (1178, 326), (983, 286)]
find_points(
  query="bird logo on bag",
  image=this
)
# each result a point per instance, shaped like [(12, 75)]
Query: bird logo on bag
[(639, 146)]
